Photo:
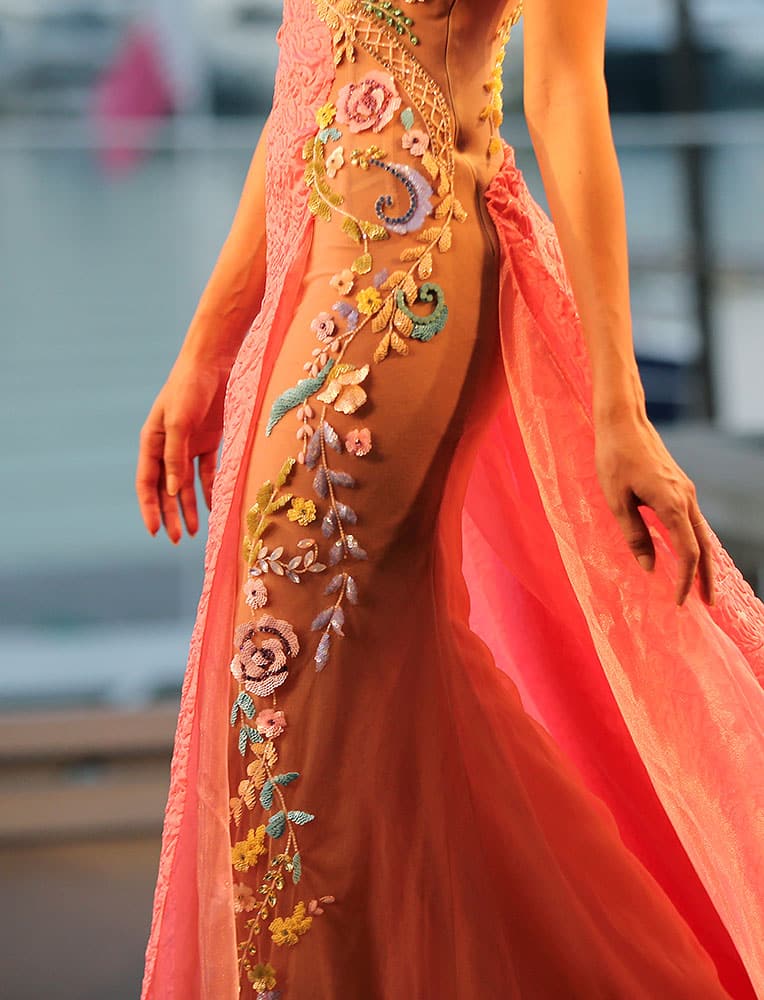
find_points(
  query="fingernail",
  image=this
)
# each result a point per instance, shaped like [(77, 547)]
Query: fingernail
[(645, 561)]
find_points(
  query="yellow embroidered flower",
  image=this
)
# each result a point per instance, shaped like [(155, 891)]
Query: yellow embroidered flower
[(245, 853), (303, 511), (326, 114), (369, 301), (262, 976), (287, 930)]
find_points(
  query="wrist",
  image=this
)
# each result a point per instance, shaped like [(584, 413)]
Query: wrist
[(620, 399)]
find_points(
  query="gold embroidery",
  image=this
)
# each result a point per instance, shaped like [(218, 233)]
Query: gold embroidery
[(493, 112)]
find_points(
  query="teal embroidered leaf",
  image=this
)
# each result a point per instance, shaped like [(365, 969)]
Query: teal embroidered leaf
[(299, 817), (243, 740), (245, 701), (295, 395), (235, 712), (284, 779), (329, 133), (425, 327), (296, 868), (407, 118), (276, 825), (254, 736), (266, 794)]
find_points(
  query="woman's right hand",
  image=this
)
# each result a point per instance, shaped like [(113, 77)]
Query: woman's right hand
[(184, 423)]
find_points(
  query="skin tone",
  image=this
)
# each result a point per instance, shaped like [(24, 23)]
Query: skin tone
[(566, 108)]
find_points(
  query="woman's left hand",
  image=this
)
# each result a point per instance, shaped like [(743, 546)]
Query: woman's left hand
[(634, 467)]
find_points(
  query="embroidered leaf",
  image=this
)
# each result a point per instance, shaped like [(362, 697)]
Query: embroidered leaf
[(296, 868), (445, 184), (444, 243), (284, 471), (242, 741), (338, 620), (460, 213), (313, 450), (376, 232), (304, 543), (340, 478), (310, 558), (331, 436), (351, 227), (429, 234), (276, 825), (266, 795), (280, 502), (317, 567), (398, 344), (322, 618), (380, 351), (346, 513), (320, 484), (322, 653), (334, 584), (392, 280), (424, 267), (294, 562), (235, 712), (329, 524), (382, 318), (335, 552), (354, 548), (403, 323), (300, 817), (247, 790), (307, 149), (254, 736), (362, 264), (246, 703), (409, 289), (329, 133), (236, 810), (425, 327), (444, 207), (407, 118), (264, 495), (295, 395), (284, 779), (351, 589), (413, 253), (430, 164)]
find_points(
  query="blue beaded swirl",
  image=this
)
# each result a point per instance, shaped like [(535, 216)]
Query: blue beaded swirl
[(385, 200)]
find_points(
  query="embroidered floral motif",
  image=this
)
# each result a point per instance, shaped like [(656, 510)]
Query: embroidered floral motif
[(323, 326), (256, 593), (303, 511), (264, 648), (335, 161), (358, 442), (270, 723), (344, 389), (369, 103), (416, 141), (326, 115), (342, 282)]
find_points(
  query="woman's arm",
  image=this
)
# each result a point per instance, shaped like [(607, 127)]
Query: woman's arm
[(234, 291), (185, 423), (566, 108)]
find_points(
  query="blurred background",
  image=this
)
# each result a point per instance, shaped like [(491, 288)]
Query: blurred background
[(126, 130)]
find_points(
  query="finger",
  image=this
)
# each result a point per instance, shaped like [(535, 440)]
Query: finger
[(677, 520), (147, 476), (187, 497), (179, 470), (207, 464), (636, 533), (170, 513), (706, 564)]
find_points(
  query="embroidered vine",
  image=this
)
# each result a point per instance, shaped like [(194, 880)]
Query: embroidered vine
[(493, 112)]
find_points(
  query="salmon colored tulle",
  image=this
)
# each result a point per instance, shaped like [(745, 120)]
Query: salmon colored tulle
[(533, 775)]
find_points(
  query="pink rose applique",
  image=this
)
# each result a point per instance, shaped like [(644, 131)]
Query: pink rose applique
[(416, 141), (270, 723), (369, 103)]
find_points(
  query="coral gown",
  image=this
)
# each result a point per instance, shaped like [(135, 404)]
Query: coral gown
[(440, 735)]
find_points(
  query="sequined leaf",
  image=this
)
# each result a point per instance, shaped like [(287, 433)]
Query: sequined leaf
[(322, 619), (335, 552), (296, 868), (320, 484), (329, 524), (346, 513), (334, 584), (339, 478), (322, 652), (284, 471), (352, 229), (331, 436), (362, 264), (276, 825), (313, 451), (337, 620), (286, 778), (300, 817), (407, 118), (244, 701), (351, 589), (295, 395), (266, 795)]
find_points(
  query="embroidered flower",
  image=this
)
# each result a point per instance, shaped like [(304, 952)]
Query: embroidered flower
[(314, 906), (323, 326), (335, 161), (245, 853), (416, 141), (262, 976), (243, 898), (369, 103), (358, 442), (270, 723), (369, 301), (287, 930), (343, 388), (256, 592), (342, 282), (263, 649), (303, 511), (326, 115)]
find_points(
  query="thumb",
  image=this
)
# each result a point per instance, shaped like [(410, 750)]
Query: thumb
[(176, 458)]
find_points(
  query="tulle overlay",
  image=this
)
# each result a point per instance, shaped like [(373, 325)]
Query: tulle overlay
[(564, 798)]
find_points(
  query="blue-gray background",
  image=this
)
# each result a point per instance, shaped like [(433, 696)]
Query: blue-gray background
[(99, 278)]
